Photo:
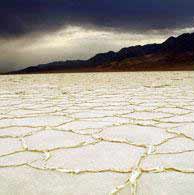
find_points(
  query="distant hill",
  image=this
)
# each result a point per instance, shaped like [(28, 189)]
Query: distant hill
[(173, 54)]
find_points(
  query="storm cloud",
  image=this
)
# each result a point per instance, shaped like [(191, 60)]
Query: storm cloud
[(20, 17), (24, 23)]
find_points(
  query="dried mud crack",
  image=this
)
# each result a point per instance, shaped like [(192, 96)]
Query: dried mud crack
[(105, 133)]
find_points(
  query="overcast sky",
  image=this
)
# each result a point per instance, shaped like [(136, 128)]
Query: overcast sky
[(40, 31)]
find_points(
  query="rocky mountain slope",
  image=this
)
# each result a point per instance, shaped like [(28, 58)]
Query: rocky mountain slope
[(173, 54)]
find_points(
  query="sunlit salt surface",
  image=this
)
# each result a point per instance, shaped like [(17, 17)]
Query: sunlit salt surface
[(97, 133)]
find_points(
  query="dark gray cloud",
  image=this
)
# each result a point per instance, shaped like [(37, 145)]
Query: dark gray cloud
[(21, 17), (40, 31)]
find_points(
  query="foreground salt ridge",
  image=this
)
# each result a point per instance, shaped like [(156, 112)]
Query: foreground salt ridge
[(97, 133)]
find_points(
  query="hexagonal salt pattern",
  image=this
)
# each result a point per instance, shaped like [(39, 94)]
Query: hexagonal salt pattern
[(97, 133)]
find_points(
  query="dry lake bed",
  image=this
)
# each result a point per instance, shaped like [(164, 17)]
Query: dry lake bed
[(97, 134)]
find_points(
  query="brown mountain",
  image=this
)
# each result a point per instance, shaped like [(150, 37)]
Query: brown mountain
[(173, 54)]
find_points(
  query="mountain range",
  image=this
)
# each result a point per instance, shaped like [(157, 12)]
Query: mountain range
[(176, 53)]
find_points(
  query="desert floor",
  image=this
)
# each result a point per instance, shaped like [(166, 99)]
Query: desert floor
[(97, 133)]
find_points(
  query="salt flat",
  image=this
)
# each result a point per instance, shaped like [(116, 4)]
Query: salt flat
[(97, 133)]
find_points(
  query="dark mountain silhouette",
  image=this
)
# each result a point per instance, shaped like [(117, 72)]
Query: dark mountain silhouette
[(173, 54)]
